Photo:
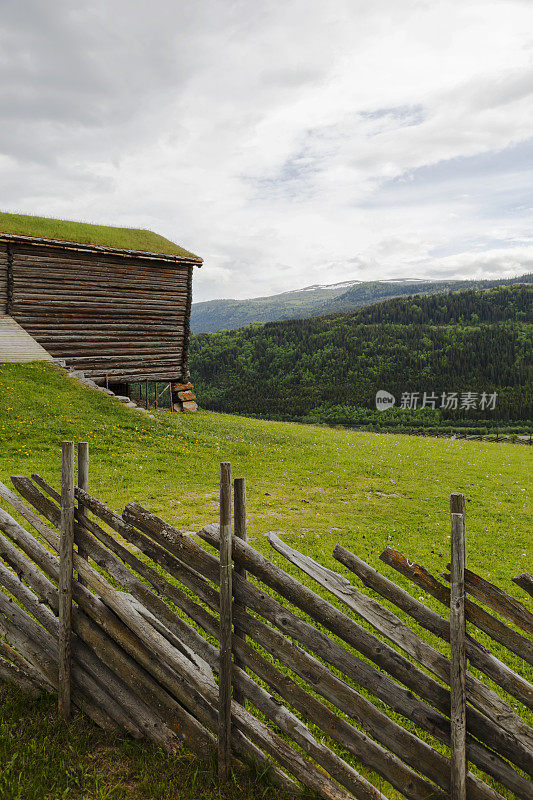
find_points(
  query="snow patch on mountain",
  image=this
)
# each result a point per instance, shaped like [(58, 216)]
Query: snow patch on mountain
[(321, 286)]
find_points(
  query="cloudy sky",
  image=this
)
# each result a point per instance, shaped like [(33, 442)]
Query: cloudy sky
[(287, 142)]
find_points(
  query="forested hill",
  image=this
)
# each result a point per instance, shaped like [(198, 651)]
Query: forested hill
[(454, 308), (477, 342), (215, 315), (316, 301), (370, 293)]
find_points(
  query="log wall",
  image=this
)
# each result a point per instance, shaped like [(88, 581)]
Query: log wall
[(3, 278), (126, 318)]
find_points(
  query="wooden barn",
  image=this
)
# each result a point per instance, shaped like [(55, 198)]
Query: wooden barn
[(112, 302)]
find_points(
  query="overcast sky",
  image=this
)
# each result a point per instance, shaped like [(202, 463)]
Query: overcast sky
[(287, 142)]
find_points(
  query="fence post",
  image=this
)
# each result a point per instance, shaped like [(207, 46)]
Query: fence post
[(239, 530), (458, 506), (66, 548), (458, 651), (224, 688), (83, 483)]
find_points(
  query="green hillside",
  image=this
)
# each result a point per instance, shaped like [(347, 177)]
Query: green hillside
[(320, 486), (85, 233), (330, 368), (315, 301)]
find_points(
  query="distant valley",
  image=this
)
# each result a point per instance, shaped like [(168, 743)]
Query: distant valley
[(318, 300)]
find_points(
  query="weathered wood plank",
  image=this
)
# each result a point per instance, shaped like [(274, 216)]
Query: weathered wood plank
[(3, 279), (122, 355), (10, 673), (131, 363), (95, 274), (379, 652), (38, 257), (103, 299), (165, 288), (55, 284), (388, 624), (406, 783), (39, 648), (499, 601), (100, 377), (225, 636), (290, 759), (487, 700), (91, 672), (481, 658), (458, 660), (384, 763), (239, 530), (31, 244), (38, 680), (132, 339), (403, 701), (307, 668), (497, 629), (83, 483), (122, 678), (153, 603), (42, 315), (398, 740), (65, 577), (525, 581), (174, 714)]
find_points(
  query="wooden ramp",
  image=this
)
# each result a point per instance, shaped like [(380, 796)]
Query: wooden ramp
[(17, 345)]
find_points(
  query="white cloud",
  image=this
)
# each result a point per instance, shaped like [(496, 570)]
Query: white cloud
[(287, 143)]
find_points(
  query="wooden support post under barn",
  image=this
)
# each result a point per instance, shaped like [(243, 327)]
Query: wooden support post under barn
[(113, 303)]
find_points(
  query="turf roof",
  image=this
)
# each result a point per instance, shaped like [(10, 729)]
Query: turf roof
[(85, 233)]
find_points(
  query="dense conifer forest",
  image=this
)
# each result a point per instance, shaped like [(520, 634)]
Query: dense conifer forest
[(460, 358)]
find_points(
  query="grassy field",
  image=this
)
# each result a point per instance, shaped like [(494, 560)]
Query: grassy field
[(87, 233), (320, 486)]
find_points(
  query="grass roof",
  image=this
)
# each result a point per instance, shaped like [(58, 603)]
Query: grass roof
[(85, 233)]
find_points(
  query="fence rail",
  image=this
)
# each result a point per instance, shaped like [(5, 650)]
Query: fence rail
[(146, 608)]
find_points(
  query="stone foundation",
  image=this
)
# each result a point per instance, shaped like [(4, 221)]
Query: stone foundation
[(183, 397)]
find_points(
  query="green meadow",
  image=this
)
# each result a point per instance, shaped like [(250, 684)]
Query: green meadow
[(317, 485)]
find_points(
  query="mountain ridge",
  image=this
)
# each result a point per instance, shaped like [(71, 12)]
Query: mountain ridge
[(318, 300)]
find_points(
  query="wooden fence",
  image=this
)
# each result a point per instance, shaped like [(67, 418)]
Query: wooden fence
[(295, 685)]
